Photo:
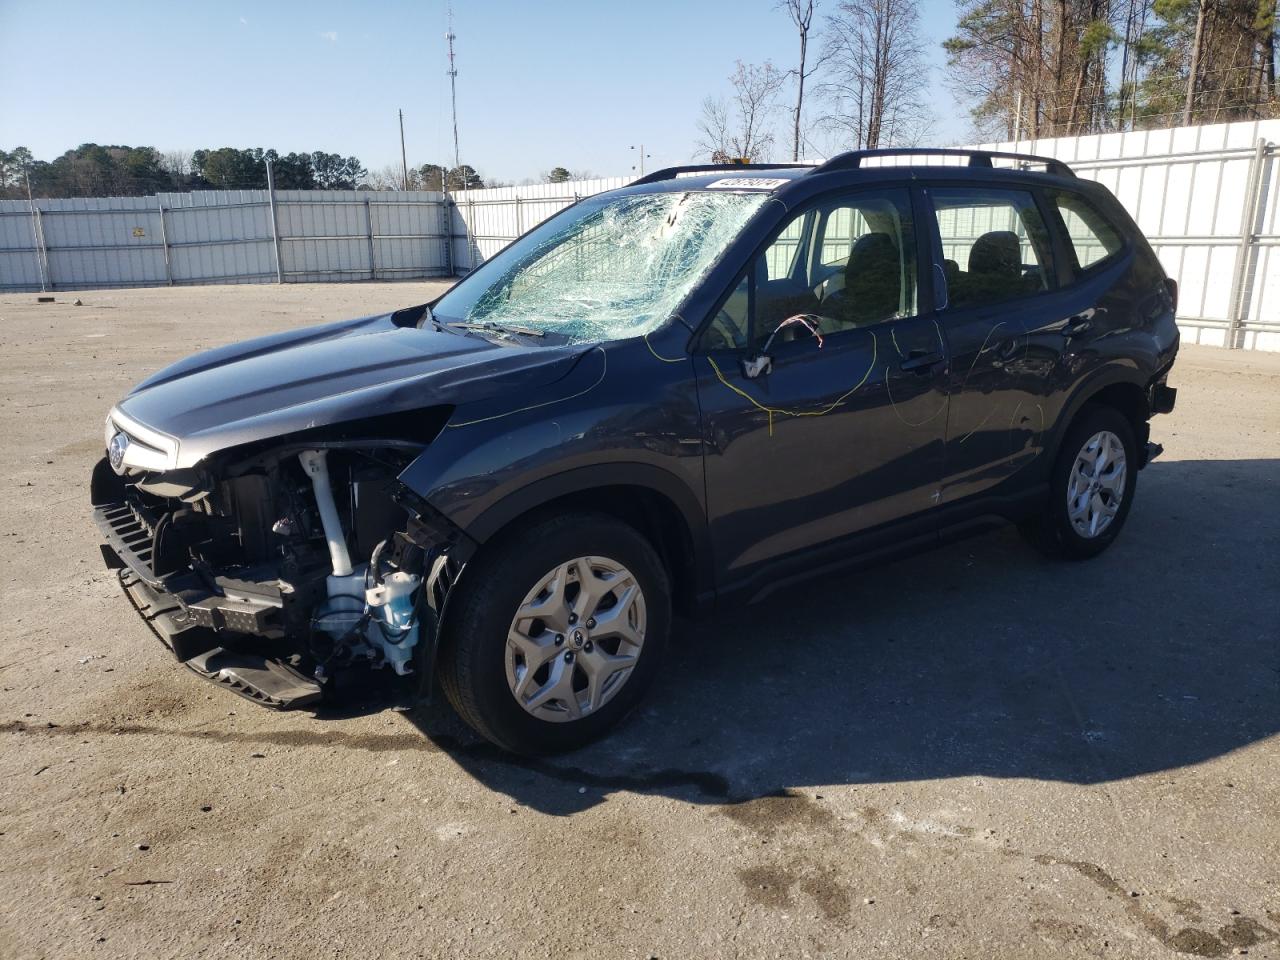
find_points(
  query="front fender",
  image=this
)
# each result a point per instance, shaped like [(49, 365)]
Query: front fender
[(622, 416)]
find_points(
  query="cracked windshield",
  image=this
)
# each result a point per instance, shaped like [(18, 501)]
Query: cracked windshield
[(607, 269)]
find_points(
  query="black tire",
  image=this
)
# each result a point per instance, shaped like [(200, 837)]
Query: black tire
[(1052, 532), (472, 658)]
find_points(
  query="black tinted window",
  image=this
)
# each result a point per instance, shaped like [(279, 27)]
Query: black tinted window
[(1092, 237), (994, 245)]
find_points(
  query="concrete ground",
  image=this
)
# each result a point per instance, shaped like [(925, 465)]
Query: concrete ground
[(975, 753)]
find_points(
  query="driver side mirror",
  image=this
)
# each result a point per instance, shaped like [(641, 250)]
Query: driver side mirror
[(762, 363)]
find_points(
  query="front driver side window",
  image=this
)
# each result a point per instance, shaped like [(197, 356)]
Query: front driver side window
[(843, 264)]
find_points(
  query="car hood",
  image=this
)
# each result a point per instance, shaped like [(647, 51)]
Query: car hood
[(325, 375)]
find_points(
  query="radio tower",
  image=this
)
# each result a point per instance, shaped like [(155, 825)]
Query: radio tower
[(453, 86)]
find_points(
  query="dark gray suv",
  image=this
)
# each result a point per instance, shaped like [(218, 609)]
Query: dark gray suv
[(684, 393)]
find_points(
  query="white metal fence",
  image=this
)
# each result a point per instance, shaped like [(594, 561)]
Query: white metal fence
[(216, 236), (1207, 198)]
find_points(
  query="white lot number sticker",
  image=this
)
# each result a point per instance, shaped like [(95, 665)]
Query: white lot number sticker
[(746, 183)]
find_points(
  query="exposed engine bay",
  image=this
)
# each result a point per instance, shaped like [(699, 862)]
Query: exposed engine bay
[(269, 569)]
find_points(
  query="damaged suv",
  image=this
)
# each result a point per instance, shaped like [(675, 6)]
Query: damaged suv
[(694, 390)]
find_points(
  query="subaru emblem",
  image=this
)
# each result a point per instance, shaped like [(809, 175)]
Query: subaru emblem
[(116, 450)]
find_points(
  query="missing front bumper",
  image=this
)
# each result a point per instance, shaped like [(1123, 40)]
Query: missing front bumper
[(270, 681)]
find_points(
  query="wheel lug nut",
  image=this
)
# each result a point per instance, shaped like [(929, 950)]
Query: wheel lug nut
[(588, 647), (568, 656), (559, 639), (591, 623), (573, 618)]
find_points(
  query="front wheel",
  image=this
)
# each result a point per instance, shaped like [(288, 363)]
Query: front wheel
[(555, 632), (1091, 488)]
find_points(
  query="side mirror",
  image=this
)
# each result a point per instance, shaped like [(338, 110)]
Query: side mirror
[(762, 363), (757, 366)]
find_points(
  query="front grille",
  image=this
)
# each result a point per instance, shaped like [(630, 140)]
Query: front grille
[(131, 533)]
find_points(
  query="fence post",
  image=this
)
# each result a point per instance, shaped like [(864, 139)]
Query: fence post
[(37, 236), (47, 272), (519, 229), (472, 245), (368, 219), (446, 219), (164, 243), (275, 228), (1244, 252)]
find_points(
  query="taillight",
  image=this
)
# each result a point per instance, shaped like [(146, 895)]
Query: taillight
[(1172, 286)]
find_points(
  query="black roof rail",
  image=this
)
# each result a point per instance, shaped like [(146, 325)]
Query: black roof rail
[(670, 173), (977, 158)]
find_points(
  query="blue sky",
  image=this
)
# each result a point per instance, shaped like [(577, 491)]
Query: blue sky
[(570, 83)]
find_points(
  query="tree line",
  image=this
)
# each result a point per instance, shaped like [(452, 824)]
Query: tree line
[(94, 170), (1023, 69)]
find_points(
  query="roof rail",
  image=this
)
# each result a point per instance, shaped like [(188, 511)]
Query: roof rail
[(670, 173), (977, 158)]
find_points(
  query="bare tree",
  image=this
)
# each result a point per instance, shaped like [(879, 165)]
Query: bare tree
[(741, 126), (176, 163), (874, 73), (1197, 47), (801, 14)]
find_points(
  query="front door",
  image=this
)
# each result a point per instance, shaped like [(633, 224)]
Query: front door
[(822, 386)]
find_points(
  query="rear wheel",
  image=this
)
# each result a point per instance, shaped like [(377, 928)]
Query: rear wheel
[(1091, 488), (555, 632)]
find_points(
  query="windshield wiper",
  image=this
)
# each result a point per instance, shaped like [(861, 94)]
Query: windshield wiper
[(488, 327)]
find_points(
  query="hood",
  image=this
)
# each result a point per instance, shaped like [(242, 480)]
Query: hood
[(326, 375)]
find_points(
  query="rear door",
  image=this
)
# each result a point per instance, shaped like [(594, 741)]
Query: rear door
[(822, 384), (1002, 314)]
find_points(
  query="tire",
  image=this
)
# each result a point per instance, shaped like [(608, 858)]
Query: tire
[(523, 696), (1058, 532)]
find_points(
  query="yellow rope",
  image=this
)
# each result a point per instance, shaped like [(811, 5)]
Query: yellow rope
[(659, 356), (771, 411)]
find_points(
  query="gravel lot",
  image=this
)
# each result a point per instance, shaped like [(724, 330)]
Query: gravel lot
[(974, 753)]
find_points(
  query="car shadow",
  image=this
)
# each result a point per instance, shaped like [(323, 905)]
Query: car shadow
[(979, 659)]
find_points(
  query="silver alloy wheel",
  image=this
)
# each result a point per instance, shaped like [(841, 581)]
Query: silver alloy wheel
[(575, 639), (1096, 485)]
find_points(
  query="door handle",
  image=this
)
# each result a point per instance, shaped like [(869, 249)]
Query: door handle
[(920, 362)]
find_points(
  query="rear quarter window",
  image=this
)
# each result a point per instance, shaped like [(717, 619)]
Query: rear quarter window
[(1092, 236)]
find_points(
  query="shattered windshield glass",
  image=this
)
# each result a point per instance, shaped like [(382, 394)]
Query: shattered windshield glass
[(607, 269)]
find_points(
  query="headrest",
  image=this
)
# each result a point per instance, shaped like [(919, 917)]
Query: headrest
[(871, 251), (999, 251)]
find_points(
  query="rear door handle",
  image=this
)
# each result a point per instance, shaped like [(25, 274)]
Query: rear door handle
[(921, 362)]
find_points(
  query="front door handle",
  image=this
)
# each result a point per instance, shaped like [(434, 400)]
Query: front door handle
[(922, 363)]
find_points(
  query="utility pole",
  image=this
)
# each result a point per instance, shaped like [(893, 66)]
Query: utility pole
[(404, 164), (453, 86), (642, 156)]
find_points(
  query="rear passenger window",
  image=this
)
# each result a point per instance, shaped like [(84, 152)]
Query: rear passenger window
[(1092, 238), (994, 245)]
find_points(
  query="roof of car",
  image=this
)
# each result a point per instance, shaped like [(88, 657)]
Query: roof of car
[(771, 177)]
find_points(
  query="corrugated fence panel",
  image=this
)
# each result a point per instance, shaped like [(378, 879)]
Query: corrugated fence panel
[(20, 263), (220, 236)]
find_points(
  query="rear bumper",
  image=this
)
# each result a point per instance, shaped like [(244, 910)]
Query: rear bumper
[(1163, 398)]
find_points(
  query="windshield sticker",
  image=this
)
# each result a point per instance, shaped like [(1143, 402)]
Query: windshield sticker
[(746, 183)]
